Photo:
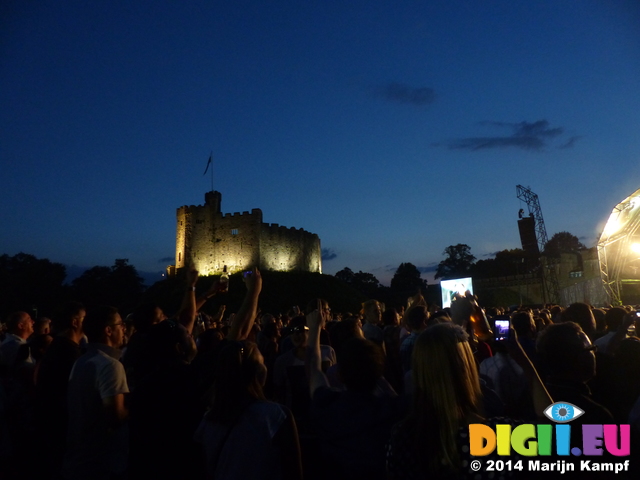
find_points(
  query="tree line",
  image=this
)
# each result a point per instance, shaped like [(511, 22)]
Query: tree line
[(38, 285)]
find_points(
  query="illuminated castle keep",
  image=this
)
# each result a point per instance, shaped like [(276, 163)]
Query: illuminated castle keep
[(209, 240)]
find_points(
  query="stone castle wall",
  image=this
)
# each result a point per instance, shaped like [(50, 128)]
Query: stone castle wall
[(285, 249), (209, 240)]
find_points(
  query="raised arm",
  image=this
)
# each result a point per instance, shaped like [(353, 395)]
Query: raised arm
[(211, 292), (315, 322), (188, 310), (243, 320), (540, 395)]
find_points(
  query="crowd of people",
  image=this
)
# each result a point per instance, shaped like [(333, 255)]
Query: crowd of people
[(384, 393)]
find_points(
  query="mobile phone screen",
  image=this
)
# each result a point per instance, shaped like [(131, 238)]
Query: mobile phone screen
[(501, 330)]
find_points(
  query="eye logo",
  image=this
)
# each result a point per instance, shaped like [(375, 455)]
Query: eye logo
[(562, 412)]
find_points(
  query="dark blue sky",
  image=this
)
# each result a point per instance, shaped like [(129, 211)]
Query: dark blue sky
[(390, 130)]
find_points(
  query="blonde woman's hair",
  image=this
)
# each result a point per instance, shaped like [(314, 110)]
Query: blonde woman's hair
[(447, 390)]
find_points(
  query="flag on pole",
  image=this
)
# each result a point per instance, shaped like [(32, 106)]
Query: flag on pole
[(208, 163)]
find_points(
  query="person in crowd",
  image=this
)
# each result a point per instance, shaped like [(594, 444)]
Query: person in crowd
[(325, 339), (38, 344), (19, 329), (555, 311), (341, 334), (97, 443), (432, 441), (16, 392), (393, 366), (51, 383), (581, 314), (569, 361), (622, 387), (613, 318), (466, 312), (240, 328), (137, 358), (525, 327), (42, 326), (290, 381), (240, 419), (353, 425), (166, 408), (415, 320), (269, 347), (372, 311), (506, 378), (599, 315)]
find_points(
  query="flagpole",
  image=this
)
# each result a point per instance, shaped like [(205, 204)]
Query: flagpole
[(211, 157), (209, 164)]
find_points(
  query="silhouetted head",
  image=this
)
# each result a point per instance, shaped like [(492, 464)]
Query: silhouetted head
[(566, 352), (170, 341), (146, 315), (103, 324), (415, 318), (581, 314), (614, 318), (361, 364)]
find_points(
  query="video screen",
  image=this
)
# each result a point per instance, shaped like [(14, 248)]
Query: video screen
[(450, 287)]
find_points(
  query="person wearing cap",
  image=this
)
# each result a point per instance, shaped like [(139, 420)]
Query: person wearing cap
[(289, 377)]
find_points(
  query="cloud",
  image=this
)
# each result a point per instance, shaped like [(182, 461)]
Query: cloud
[(570, 143), (432, 267), (526, 129), (401, 93), (328, 254), (533, 136), (167, 260)]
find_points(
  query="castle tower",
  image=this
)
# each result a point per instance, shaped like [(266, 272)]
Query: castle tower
[(208, 239)]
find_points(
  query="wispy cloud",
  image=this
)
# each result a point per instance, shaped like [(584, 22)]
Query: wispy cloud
[(570, 143), (401, 93), (432, 267), (167, 260), (532, 136), (328, 254)]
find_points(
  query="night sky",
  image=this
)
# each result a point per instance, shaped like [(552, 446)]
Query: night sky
[(390, 129)]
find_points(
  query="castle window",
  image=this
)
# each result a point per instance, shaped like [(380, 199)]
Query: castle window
[(234, 231), (179, 256)]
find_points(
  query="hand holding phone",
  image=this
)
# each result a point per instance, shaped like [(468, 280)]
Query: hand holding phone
[(501, 330)]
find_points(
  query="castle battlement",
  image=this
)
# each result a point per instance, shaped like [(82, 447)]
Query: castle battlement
[(209, 239)]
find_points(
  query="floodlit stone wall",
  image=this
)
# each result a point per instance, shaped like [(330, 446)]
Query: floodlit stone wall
[(209, 240)]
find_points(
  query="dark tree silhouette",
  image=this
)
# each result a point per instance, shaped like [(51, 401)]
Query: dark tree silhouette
[(118, 285), (407, 280), (458, 262), (563, 242), (505, 263), (365, 283), (346, 275), (30, 283)]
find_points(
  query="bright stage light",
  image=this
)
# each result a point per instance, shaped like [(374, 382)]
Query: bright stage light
[(617, 252)]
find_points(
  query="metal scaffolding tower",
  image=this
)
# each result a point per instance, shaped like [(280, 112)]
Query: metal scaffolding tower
[(547, 265)]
